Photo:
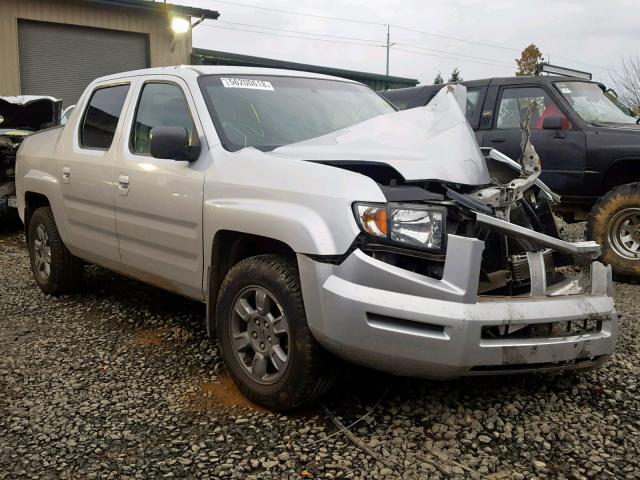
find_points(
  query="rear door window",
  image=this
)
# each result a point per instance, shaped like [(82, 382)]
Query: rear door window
[(102, 115)]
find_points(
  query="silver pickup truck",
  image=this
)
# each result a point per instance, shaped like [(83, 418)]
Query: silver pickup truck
[(314, 219)]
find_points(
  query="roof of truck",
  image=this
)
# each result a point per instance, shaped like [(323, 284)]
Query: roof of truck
[(494, 81), (192, 71)]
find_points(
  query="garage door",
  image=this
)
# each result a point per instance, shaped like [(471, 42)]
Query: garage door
[(61, 60)]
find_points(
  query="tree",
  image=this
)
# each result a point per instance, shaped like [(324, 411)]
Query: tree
[(456, 76), (627, 83), (528, 61), (438, 80)]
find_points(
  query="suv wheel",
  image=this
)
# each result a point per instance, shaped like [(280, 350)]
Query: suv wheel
[(264, 337), (55, 269), (615, 224)]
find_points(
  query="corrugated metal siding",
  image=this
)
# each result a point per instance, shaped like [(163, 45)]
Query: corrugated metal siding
[(53, 51), (78, 12)]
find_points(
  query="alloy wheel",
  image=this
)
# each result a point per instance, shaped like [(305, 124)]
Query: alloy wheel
[(42, 252), (260, 335)]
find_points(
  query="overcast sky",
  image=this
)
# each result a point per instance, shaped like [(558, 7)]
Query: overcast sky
[(596, 33)]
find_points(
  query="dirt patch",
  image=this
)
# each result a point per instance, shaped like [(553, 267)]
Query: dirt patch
[(222, 393), (144, 338), (165, 337)]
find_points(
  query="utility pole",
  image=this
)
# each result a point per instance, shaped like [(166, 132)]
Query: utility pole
[(388, 45)]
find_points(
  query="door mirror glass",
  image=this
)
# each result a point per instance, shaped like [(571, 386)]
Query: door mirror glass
[(172, 143), (552, 123)]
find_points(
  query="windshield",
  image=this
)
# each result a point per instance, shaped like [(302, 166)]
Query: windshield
[(267, 112), (591, 103)]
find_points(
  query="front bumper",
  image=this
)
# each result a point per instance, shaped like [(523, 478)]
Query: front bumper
[(391, 319)]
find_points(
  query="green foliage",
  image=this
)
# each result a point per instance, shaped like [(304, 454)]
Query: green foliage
[(456, 76)]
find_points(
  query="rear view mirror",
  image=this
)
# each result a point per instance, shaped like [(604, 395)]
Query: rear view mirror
[(552, 123), (172, 143)]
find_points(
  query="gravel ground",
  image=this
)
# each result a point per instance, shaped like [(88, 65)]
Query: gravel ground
[(119, 381)]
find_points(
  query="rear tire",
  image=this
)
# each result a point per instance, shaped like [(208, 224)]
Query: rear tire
[(263, 334), (55, 269), (614, 223)]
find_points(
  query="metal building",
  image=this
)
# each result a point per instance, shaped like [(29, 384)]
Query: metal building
[(56, 47), (373, 80)]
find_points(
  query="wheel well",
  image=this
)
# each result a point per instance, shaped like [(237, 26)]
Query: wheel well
[(228, 249), (624, 171), (33, 201)]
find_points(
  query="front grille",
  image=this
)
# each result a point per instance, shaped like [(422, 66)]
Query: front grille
[(565, 328)]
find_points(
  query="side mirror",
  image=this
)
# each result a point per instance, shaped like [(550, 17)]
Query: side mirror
[(552, 123), (172, 143)]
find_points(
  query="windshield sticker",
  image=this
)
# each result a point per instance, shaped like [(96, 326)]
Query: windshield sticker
[(246, 83)]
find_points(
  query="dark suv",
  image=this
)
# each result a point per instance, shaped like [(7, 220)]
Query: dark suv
[(589, 148)]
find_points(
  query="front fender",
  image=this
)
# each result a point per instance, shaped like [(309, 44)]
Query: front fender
[(304, 205), (299, 226)]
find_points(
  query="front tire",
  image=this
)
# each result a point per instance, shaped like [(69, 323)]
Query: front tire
[(55, 269), (614, 223), (266, 343)]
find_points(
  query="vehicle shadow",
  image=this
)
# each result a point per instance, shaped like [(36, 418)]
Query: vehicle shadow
[(10, 224), (358, 389), (367, 387)]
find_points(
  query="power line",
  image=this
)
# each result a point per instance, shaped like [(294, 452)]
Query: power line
[(454, 58), (446, 37), (443, 52), (400, 27), (291, 36), (298, 31), (579, 63), (278, 10), (440, 54)]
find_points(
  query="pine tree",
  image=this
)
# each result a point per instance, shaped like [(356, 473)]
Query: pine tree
[(455, 76), (438, 80)]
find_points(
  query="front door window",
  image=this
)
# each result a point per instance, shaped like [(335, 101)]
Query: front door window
[(516, 103), (161, 105)]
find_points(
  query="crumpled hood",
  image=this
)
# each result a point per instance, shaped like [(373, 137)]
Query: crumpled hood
[(434, 142)]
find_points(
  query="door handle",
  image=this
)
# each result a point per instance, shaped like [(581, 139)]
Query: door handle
[(123, 185), (497, 140), (66, 174)]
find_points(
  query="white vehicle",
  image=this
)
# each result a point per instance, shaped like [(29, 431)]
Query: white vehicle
[(311, 217)]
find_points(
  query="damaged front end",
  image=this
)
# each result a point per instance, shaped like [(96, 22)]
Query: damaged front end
[(497, 293), (20, 117)]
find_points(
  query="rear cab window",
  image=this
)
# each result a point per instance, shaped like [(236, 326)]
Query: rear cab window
[(101, 116)]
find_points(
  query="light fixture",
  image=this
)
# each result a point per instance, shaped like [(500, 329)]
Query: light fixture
[(180, 25)]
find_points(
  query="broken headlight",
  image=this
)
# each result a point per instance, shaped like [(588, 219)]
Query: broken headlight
[(417, 226)]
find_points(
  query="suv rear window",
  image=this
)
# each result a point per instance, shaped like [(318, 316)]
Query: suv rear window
[(102, 115)]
